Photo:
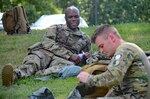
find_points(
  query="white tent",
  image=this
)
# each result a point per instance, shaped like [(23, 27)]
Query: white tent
[(47, 20), (1, 24)]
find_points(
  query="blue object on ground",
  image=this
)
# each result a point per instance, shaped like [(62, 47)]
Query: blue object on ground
[(66, 71), (69, 71)]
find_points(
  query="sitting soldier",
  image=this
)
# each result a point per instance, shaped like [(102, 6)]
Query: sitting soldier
[(127, 74), (62, 46)]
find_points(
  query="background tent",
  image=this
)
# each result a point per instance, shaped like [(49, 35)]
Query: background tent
[(1, 24), (47, 20)]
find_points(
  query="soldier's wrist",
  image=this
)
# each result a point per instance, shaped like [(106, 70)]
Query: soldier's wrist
[(89, 80)]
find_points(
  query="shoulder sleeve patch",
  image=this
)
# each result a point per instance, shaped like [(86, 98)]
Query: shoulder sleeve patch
[(118, 56)]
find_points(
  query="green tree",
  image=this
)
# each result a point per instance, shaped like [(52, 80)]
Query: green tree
[(93, 11), (33, 8)]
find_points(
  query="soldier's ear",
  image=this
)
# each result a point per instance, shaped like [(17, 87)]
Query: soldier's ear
[(112, 37)]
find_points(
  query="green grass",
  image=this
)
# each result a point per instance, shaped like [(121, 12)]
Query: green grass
[(13, 49)]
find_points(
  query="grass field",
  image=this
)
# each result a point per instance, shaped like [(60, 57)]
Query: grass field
[(13, 49)]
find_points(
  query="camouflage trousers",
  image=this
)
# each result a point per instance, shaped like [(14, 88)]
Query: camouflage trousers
[(78, 93), (127, 96), (41, 62)]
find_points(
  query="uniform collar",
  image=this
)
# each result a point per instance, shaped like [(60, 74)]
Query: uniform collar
[(77, 32)]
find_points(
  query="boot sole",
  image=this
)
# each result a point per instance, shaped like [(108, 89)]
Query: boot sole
[(7, 75)]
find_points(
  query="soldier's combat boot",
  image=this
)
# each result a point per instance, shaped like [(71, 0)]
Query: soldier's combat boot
[(8, 75)]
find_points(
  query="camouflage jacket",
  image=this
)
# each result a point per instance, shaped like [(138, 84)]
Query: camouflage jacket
[(63, 42), (126, 72)]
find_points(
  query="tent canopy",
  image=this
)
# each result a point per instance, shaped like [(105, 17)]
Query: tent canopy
[(47, 20), (1, 24)]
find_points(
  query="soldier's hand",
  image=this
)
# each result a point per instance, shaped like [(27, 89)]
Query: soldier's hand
[(83, 76), (86, 55), (75, 58)]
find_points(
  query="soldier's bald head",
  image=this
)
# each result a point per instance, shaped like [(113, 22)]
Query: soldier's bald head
[(72, 17), (72, 8)]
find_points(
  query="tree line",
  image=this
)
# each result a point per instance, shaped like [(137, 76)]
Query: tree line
[(93, 11)]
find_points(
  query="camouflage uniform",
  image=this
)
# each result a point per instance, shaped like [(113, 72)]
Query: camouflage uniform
[(98, 57), (49, 56), (126, 74)]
